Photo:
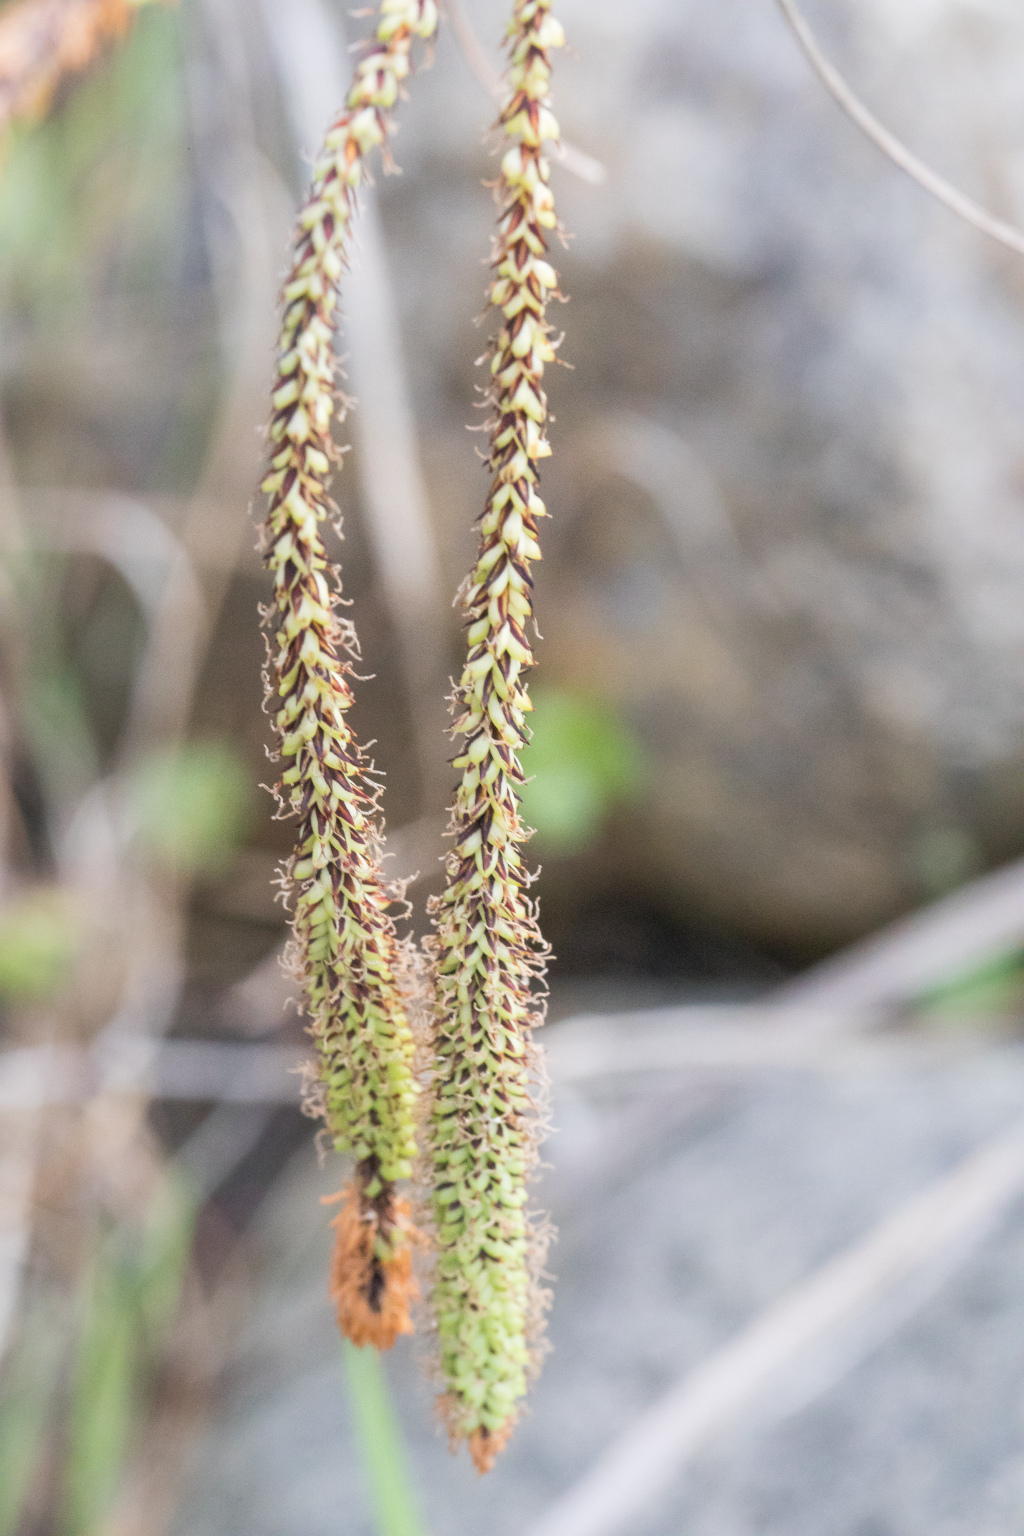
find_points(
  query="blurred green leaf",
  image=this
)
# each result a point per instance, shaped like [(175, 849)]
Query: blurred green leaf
[(40, 937), (130, 1301), (29, 1388), (55, 718), (104, 163), (164, 1253), (103, 1411), (990, 990), (379, 1435), (191, 806), (583, 758)]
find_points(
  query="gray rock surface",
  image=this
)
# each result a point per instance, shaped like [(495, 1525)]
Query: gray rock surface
[(657, 1267), (787, 491), (787, 483)]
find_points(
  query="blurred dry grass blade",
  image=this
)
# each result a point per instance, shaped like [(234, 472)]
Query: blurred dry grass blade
[(309, 52), (100, 1166), (662, 463), (719, 1040), (939, 1225), (582, 1050), (88, 837), (894, 150), (792, 1025), (734, 1040), (964, 930), (216, 527), (199, 568), (156, 566), (191, 1070), (19, 1141)]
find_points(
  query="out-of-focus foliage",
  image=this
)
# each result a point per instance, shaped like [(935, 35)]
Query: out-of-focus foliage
[(108, 158), (129, 1302), (110, 365), (126, 1306), (995, 989), (40, 936), (114, 148), (29, 1389), (582, 758), (191, 805)]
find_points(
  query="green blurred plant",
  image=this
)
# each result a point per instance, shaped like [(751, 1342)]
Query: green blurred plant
[(94, 1405), (130, 1299), (47, 687), (191, 805), (992, 990), (29, 1389), (943, 857), (104, 163), (382, 1449), (41, 934), (582, 759)]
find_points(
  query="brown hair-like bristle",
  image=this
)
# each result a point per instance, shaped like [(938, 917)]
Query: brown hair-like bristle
[(486, 1445), (372, 1290)]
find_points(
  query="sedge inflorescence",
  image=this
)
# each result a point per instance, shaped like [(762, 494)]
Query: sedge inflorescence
[(344, 947), (486, 1080), (483, 1122)]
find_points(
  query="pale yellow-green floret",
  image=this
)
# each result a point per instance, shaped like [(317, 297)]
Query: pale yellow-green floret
[(483, 1120), (344, 945)]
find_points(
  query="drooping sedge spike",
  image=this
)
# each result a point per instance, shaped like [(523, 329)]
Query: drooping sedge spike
[(484, 1113), (344, 948)]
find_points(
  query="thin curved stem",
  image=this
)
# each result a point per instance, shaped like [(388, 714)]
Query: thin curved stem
[(996, 229)]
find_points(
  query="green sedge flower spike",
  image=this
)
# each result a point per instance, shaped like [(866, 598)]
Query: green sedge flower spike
[(344, 947), (483, 1122)]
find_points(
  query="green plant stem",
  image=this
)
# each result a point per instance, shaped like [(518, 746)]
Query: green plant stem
[(129, 1305), (379, 1436)]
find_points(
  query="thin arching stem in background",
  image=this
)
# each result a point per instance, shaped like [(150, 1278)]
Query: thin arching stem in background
[(996, 229)]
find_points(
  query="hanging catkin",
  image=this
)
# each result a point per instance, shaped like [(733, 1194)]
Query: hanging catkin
[(343, 947), (483, 1124)]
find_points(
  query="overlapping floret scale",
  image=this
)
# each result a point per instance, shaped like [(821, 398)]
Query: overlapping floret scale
[(344, 944)]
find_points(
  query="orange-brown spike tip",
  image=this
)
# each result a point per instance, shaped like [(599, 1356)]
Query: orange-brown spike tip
[(372, 1292), (486, 1445)]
